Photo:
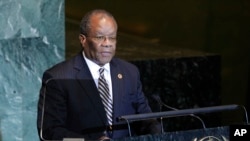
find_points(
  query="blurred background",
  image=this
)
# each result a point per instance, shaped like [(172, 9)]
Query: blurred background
[(207, 26)]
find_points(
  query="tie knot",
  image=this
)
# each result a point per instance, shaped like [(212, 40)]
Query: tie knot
[(101, 70)]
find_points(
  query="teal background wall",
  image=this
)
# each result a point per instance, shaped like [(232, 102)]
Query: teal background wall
[(32, 39)]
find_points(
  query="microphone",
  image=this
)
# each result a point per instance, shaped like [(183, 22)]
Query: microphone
[(43, 107), (159, 101), (180, 112)]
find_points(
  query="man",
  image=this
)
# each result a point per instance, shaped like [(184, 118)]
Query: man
[(71, 101)]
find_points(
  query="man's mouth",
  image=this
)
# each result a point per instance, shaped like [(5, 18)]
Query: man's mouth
[(106, 54)]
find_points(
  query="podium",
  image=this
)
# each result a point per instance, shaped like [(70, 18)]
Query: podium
[(217, 133)]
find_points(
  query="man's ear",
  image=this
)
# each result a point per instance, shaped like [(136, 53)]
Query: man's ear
[(82, 39)]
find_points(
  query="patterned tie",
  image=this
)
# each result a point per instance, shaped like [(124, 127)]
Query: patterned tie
[(103, 89)]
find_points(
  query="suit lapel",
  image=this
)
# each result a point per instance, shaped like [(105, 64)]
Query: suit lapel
[(84, 77), (117, 77)]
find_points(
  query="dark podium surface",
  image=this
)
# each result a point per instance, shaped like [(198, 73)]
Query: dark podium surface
[(213, 134)]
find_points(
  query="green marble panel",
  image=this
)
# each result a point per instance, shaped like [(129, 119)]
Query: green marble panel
[(31, 40)]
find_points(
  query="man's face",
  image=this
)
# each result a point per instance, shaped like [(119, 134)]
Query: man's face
[(100, 43)]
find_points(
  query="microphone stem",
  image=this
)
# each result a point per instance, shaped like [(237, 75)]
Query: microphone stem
[(203, 124), (192, 115), (162, 129)]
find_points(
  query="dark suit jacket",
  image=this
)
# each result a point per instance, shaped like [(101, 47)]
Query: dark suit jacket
[(73, 107)]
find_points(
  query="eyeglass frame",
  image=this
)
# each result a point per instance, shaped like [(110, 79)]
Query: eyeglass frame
[(99, 39)]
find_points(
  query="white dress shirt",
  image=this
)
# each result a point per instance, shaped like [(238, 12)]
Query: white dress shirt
[(94, 69)]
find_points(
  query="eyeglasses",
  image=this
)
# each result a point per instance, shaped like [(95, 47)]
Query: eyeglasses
[(103, 38)]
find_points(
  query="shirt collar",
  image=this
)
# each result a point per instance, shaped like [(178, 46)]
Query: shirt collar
[(93, 66)]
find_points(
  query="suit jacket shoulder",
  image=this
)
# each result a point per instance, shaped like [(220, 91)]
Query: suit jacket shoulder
[(124, 66), (68, 68)]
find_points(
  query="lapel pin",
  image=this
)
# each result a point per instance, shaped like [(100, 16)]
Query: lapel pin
[(119, 76)]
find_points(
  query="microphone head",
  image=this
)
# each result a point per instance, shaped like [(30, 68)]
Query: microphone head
[(157, 98)]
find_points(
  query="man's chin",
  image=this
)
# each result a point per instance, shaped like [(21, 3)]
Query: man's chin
[(103, 62)]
